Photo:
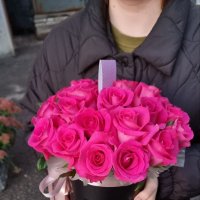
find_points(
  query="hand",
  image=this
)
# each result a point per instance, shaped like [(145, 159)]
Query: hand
[(150, 190)]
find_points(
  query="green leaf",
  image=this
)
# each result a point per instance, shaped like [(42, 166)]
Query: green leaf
[(170, 123), (39, 104), (65, 166), (140, 186), (5, 146), (41, 164), (4, 113)]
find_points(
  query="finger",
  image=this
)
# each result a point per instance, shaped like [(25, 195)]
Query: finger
[(150, 190), (146, 195), (151, 184), (140, 196), (153, 197)]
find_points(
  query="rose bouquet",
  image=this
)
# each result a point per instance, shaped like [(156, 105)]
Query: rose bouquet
[(8, 126), (121, 132)]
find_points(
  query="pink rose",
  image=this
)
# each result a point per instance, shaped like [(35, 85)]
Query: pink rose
[(111, 98), (158, 114), (149, 131), (144, 90), (131, 162), (48, 108), (82, 90), (164, 147), (60, 110), (165, 102), (131, 121), (88, 84), (176, 113), (179, 121), (91, 120), (66, 143), (69, 107), (185, 134), (57, 121), (95, 161), (113, 138), (42, 132), (125, 84)]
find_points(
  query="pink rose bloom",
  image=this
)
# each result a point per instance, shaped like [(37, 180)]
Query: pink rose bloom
[(180, 123), (125, 84), (113, 97), (85, 83), (57, 121), (48, 108), (164, 147), (66, 143), (34, 120), (95, 161), (144, 90), (149, 132), (131, 162), (165, 102), (175, 113), (113, 138), (42, 132), (82, 90), (69, 107), (91, 120), (185, 134), (131, 121), (158, 114)]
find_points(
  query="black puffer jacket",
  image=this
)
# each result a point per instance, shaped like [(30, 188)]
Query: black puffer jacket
[(169, 58)]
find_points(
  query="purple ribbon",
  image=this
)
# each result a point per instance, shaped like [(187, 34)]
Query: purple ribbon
[(107, 73)]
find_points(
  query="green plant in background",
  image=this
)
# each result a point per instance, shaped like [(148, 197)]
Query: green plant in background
[(8, 126)]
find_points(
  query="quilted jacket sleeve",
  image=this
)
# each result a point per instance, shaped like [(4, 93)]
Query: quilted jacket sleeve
[(39, 87), (182, 183), (51, 70)]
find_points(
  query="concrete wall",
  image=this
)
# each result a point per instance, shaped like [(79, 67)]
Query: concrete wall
[(6, 44)]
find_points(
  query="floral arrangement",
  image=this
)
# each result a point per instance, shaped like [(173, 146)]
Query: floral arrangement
[(122, 130)]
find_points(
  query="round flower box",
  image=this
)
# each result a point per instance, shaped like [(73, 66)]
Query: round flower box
[(91, 192)]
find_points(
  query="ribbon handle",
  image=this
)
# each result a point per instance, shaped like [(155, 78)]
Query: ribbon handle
[(107, 74), (57, 185), (49, 181)]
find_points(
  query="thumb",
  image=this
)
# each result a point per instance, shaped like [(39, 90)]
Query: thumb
[(149, 191)]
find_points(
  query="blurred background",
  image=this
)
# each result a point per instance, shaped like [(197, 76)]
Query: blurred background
[(23, 26)]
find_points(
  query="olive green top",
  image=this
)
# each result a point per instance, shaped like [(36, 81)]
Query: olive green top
[(126, 43)]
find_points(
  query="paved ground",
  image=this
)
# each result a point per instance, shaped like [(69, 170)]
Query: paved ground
[(13, 81)]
